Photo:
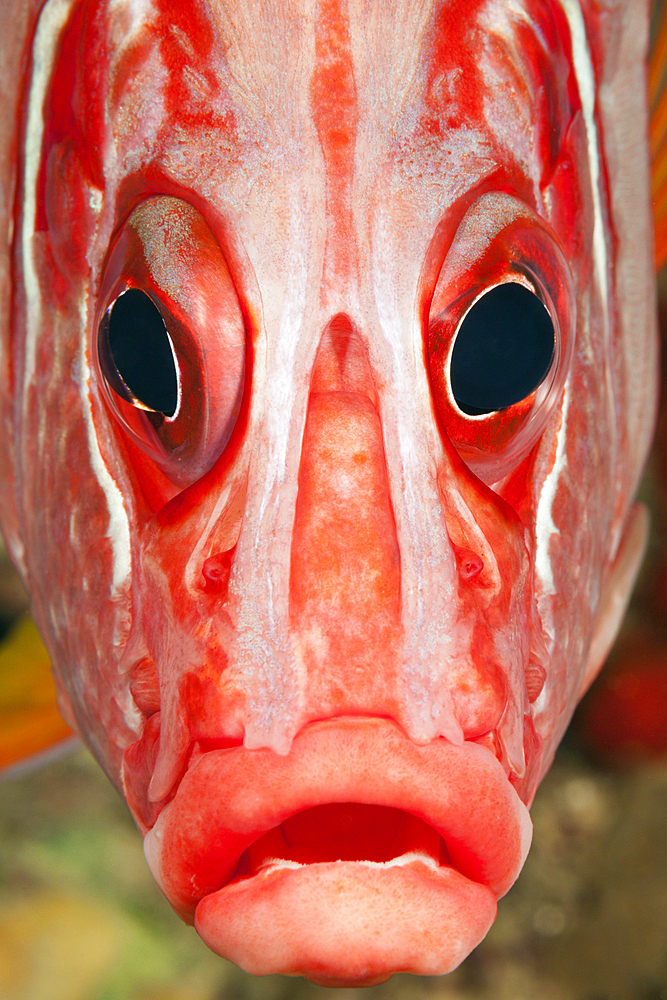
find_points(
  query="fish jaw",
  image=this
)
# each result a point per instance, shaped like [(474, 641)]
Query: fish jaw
[(417, 900), (363, 924)]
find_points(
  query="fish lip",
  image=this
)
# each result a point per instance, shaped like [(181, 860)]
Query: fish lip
[(194, 847)]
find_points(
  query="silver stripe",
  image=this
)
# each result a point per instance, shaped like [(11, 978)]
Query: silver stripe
[(583, 68), (52, 20), (118, 531)]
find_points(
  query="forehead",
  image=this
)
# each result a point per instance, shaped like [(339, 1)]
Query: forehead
[(486, 81), (257, 48)]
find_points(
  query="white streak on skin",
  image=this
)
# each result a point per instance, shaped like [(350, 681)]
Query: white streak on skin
[(583, 68), (134, 12), (53, 18), (119, 525), (259, 580), (134, 718), (95, 200), (545, 526), (279, 432), (430, 636), (50, 24)]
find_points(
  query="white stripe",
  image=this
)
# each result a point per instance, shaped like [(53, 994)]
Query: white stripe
[(118, 531), (51, 22), (544, 526), (583, 68)]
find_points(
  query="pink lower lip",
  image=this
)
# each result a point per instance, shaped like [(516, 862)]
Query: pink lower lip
[(349, 921)]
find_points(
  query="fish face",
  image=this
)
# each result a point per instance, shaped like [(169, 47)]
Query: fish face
[(332, 353)]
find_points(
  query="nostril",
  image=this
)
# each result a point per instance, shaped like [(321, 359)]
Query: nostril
[(216, 571), (469, 564)]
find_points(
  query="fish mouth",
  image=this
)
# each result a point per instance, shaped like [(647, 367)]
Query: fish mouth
[(357, 855)]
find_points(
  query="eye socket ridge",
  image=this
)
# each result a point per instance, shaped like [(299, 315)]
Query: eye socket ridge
[(137, 355)]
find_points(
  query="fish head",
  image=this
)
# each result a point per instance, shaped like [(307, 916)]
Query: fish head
[(320, 588)]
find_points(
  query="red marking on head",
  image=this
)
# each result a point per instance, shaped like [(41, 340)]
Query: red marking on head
[(77, 94), (96, 82), (72, 149), (464, 60), (335, 116), (187, 46), (333, 92), (452, 95)]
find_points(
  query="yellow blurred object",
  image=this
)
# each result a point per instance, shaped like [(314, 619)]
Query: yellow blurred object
[(29, 719), (55, 947)]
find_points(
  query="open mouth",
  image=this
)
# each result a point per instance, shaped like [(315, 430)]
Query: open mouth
[(345, 831), (357, 855)]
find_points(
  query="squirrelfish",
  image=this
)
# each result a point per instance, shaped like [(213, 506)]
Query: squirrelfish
[(328, 369)]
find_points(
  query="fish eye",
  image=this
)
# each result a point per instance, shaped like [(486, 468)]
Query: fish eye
[(502, 351), (500, 334), (170, 351), (137, 355)]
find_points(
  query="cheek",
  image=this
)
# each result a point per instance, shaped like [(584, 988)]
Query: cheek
[(574, 518), (75, 538), (66, 204)]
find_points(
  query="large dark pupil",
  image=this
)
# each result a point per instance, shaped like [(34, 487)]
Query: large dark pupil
[(141, 351), (503, 350)]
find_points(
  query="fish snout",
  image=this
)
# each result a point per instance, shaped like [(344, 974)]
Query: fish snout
[(345, 575), (363, 640), (377, 607)]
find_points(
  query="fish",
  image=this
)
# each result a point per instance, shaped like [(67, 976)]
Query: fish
[(329, 368)]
